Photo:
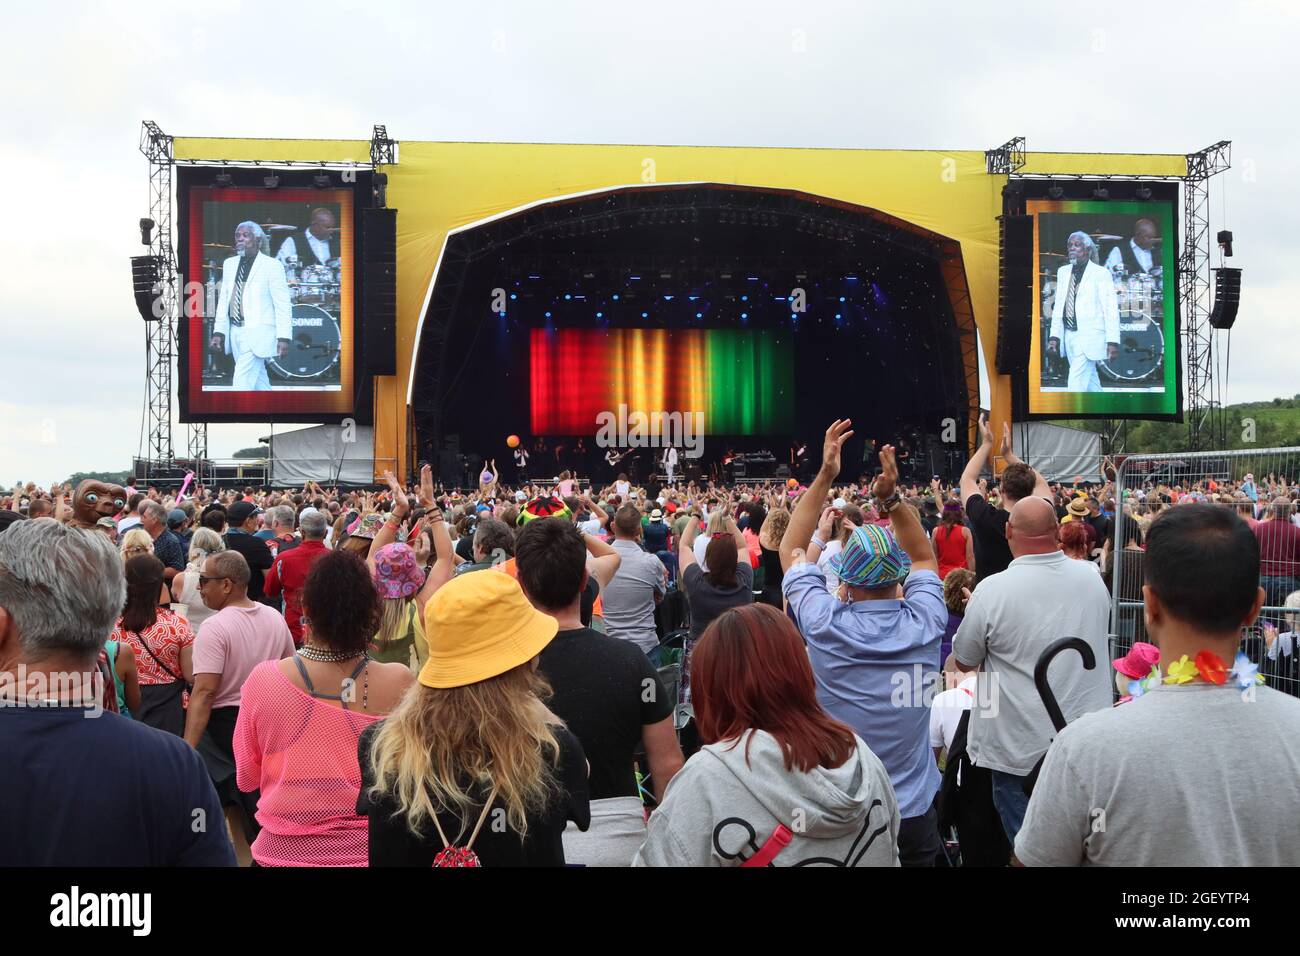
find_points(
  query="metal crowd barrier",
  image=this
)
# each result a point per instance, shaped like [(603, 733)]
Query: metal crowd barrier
[(1280, 662)]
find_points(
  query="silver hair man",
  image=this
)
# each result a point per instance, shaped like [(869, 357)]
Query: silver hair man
[(263, 243), (313, 525), (1086, 241), (61, 591), (280, 519)]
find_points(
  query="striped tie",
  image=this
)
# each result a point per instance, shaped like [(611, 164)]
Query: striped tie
[(237, 296)]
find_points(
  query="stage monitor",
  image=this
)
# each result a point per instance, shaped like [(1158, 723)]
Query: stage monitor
[(268, 316), (1104, 336)]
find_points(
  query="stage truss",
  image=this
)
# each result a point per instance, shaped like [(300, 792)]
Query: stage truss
[(158, 453)]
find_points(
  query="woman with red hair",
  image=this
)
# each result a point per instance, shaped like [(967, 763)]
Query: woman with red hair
[(778, 782), (1074, 542)]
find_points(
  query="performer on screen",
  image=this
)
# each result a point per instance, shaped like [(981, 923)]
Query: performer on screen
[(315, 247), (670, 463), (1137, 255), (1085, 314), (254, 320)]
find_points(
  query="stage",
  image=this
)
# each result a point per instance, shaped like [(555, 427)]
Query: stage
[(771, 290)]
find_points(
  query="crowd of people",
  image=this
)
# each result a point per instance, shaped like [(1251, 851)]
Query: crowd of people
[(763, 674)]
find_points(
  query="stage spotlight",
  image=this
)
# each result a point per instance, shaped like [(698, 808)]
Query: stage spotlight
[(615, 297), (146, 232), (271, 181), (548, 315), (1142, 192), (1056, 192), (645, 315), (321, 180), (1101, 192), (699, 315), (744, 315), (224, 180), (600, 315)]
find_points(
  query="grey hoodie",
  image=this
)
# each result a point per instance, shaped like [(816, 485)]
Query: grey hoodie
[(719, 810)]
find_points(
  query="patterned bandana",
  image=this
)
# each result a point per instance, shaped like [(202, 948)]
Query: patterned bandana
[(871, 558)]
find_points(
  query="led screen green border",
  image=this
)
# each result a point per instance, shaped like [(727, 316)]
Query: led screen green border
[(1159, 397)]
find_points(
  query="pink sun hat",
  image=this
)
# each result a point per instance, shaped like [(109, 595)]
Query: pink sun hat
[(1137, 663)]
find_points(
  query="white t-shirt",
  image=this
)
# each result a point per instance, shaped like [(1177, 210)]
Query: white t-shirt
[(622, 488), (824, 562), (946, 711)]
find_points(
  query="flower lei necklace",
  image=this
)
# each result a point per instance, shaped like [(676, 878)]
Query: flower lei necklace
[(1206, 665)]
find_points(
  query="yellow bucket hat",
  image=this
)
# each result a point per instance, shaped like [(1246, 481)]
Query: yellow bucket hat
[(480, 625)]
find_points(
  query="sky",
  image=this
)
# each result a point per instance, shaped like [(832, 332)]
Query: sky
[(80, 78)]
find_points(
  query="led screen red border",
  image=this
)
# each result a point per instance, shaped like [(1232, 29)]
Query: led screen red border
[(273, 405)]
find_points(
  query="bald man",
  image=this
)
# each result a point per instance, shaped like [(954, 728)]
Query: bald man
[(1138, 255), (1013, 617)]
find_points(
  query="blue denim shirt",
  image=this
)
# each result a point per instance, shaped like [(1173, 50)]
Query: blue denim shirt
[(874, 663)]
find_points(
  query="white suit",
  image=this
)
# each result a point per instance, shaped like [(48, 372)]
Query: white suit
[(1096, 312), (268, 316), (670, 463)]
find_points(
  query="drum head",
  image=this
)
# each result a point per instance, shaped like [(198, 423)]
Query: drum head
[(1141, 352), (314, 349)]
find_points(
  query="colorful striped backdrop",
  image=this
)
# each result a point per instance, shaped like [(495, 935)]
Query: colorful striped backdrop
[(743, 381)]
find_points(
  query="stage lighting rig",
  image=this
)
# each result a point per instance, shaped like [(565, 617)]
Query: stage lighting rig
[(1056, 192), (1101, 192), (271, 181), (321, 180), (224, 180)]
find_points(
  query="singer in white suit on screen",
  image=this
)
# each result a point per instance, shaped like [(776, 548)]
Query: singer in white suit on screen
[(1085, 314), (254, 321)]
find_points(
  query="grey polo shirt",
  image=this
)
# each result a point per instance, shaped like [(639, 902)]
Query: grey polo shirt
[(629, 602), (1013, 616)]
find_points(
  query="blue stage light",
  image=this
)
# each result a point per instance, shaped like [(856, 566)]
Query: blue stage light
[(514, 295), (567, 297), (645, 315), (744, 298), (548, 315), (615, 296), (699, 315), (841, 298), (744, 315)]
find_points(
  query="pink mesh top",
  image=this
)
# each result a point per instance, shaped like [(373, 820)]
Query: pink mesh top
[(301, 753)]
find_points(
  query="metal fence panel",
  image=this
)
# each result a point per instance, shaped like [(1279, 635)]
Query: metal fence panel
[(1220, 477)]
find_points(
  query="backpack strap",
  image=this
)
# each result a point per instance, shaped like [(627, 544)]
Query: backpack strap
[(777, 842), (478, 826)]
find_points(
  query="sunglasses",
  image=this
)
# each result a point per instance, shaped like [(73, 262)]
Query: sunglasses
[(204, 581)]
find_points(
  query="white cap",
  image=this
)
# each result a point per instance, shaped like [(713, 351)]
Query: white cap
[(662, 500), (520, 496), (838, 503)]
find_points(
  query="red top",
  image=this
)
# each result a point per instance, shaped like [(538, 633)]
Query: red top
[(169, 634), (287, 575), (1279, 548), (950, 543), (301, 753)]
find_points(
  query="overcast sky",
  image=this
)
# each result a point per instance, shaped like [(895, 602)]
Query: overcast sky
[(80, 77)]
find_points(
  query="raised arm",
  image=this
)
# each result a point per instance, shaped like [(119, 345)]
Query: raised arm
[(445, 560), (686, 547), (806, 512), (604, 560), (971, 475), (388, 533), (903, 517), (1041, 488)]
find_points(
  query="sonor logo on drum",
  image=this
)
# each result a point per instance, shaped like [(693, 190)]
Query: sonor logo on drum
[(310, 322)]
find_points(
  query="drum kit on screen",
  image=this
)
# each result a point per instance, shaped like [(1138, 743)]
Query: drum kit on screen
[(315, 291), (1141, 319)]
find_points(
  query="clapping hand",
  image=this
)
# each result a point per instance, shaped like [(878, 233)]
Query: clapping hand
[(839, 432), (888, 478)]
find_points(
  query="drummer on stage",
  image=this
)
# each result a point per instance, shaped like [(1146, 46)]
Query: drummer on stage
[(1138, 255), (315, 249)]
